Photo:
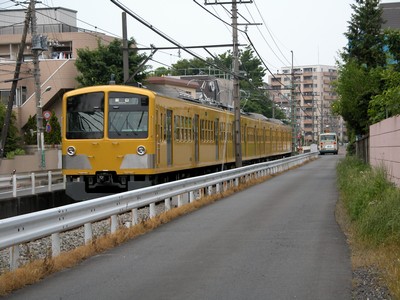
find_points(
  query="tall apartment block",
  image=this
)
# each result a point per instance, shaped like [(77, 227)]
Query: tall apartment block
[(308, 91)]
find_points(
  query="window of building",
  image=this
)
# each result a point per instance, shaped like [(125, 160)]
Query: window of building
[(4, 96)]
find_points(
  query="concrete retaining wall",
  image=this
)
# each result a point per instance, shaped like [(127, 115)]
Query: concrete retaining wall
[(385, 147), (31, 162), (31, 203)]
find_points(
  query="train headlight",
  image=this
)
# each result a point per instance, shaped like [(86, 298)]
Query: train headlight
[(71, 151), (141, 150)]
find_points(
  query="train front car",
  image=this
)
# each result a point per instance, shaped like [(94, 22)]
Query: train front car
[(107, 142)]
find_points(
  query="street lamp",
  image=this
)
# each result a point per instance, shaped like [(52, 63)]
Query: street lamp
[(40, 131)]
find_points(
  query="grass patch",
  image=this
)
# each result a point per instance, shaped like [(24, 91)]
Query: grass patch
[(369, 213)]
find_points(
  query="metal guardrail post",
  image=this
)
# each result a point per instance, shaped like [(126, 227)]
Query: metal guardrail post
[(49, 180), (191, 196), (114, 223), (180, 201), (14, 185), (88, 233), (55, 244), (135, 218), (33, 184), (14, 257), (167, 203), (152, 209)]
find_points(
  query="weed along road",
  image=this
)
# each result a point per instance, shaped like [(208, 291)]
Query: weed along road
[(276, 240)]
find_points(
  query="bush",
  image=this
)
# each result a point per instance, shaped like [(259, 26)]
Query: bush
[(12, 154)]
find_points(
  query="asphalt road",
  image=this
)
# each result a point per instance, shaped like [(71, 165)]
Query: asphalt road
[(276, 240)]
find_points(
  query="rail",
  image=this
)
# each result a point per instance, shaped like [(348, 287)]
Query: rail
[(22, 229), (31, 183)]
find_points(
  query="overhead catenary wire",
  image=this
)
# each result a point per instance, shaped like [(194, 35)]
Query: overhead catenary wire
[(168, 38)]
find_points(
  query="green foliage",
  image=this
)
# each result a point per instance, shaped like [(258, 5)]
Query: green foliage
[(13, 140), (356, 86), (363, 60), (54, 136), (97, 66), (192, 66), (365, 39), (50, 138), (372, 202), (29, 130), (15, 152), (251, 78), (392, 42), (161, 71), (386, 104)]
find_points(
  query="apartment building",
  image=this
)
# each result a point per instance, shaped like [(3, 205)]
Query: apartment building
[(307, 91), (56, 62)]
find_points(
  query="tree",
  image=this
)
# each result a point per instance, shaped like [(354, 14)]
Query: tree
[(29, 130), (386, 104), (194, 66), (365, 40), (54, 136), (13, 141), (356, 87), (253, 98), (97, 66), (363, 59)]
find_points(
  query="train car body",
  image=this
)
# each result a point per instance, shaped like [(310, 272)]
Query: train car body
[(120, 138)]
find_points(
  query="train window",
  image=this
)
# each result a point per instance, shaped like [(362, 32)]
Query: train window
[(202, 138), (128, 115), (162, 127), (85, 116), (189, 128)]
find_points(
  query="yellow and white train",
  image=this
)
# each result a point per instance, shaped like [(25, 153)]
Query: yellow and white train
[(119, 138)]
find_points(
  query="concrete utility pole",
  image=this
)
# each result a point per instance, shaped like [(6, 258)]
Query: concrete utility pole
[(36, 47), (236, 88), (20, 55), (293, 110), (125, 51)]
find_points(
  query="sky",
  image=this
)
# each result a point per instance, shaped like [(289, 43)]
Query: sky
[(313, 30)]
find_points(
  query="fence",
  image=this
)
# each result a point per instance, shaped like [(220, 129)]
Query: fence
[(362, 148), (52, 222)]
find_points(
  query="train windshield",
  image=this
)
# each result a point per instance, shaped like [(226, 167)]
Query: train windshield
[(128, 116), (85, 116)]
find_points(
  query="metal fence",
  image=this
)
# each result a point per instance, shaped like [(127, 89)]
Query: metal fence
[(362, 148), (18, 230), (31, 183)]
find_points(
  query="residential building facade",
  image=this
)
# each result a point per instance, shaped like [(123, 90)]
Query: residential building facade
[(307, 91), (56, 62)]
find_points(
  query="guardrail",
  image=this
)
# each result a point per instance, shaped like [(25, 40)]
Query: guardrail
[(17, 230), (27, 183)]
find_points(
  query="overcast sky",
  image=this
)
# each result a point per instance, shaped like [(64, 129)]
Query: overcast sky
[(312, 29)]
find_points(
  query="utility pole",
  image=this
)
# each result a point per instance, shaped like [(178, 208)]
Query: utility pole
[(10, 103), (125, 51), (36, 47), (293, 110), (236, 88)]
